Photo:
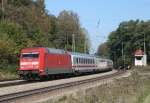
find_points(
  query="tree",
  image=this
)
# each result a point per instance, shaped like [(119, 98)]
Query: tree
[(12, 40), (103, 50), (68, 24), (26, 23), (129, 37)]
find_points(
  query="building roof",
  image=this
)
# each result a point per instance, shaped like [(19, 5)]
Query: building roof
[(139, 52)]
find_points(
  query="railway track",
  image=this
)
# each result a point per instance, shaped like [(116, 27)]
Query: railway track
[(6, 80), (12, 83), (25, 94)]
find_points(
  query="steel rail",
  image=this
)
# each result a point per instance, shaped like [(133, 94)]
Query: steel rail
[(15, 83), (5, 80), (15, 96)]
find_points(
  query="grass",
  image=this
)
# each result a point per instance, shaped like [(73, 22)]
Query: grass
[(133, 89), (8, 72)]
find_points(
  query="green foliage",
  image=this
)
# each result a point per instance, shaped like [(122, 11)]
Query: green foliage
[(19, 2), (12, 41), (26, 23), (8, 71), (103, 50), (129, 36), (6, 49), (68, 24)]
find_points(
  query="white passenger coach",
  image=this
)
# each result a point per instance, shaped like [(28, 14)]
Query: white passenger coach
[(87, 63)]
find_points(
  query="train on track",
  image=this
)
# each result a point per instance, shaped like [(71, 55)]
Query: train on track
[(41, 62)]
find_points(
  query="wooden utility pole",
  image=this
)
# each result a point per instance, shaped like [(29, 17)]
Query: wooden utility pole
[(123, 55), (85, 44), (2, 6), (73, 43)]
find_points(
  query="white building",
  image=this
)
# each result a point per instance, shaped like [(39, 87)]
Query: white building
[(140, 58)]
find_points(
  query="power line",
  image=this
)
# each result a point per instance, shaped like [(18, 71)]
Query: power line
[(144, 45), (98, 23)]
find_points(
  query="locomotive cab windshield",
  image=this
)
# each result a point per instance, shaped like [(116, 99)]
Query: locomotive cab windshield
[(30, 55)]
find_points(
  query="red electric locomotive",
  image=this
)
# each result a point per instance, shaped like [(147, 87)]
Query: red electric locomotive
[(41, 62)]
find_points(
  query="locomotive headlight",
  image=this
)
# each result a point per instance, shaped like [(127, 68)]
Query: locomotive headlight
[(29, 63), (35, 63), (24, 63)]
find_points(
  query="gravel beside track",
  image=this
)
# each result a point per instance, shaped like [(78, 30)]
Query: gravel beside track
[(12, 82), (42, 87), (6, 80)]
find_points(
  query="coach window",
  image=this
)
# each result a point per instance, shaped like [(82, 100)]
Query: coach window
[(74, 61), (77, 60), (81, 60)]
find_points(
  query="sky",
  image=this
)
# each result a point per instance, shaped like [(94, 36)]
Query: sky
[(110, 13)]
